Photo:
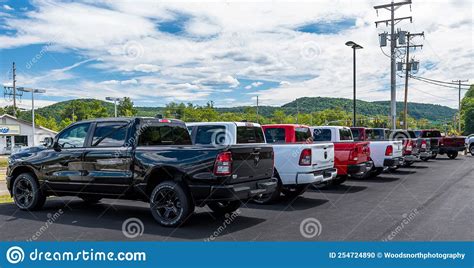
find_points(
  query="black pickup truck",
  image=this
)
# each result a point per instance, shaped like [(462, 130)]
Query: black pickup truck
[(146, 159)]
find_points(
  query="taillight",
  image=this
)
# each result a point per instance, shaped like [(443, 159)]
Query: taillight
[(223, 164), (389, 150), (354, 153), (305, 157), (409, 147), (423, 144)]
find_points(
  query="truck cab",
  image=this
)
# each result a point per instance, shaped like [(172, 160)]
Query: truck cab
[(352, 158), (386, 154)]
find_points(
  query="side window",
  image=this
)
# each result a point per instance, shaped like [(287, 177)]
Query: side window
[(164, 135), (74, 136), (110, 134)]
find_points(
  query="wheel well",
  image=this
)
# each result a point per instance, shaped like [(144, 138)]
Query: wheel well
[(19, 170), (161, 174)]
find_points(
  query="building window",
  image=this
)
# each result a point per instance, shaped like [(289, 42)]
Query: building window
[(21, 140)]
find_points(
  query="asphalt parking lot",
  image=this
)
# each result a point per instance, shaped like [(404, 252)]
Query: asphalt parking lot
[(429, 201)]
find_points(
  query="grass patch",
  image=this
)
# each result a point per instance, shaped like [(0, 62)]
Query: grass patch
[(3, 162), (5, 199)]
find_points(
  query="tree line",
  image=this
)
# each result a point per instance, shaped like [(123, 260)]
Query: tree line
[(76, 110)]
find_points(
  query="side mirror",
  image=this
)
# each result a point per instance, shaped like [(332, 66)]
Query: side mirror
[(48, 142)]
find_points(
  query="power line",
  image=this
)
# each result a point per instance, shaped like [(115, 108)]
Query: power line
[(435, 83), (451, 83)]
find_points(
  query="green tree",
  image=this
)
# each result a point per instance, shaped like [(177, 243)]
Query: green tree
[(467, 111), (125, 107), (46, 122)]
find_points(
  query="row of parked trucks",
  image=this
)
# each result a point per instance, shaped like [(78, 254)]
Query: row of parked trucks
[(176, 166)]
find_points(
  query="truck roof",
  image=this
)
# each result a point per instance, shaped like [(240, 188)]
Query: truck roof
[(285, 125), (112, 119), (329, 127), (239, 124)]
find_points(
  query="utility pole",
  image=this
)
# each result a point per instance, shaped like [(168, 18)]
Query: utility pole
[(297, 111), (459, 102), (392, 7), (257, 109), (408, 67), (14, 89)]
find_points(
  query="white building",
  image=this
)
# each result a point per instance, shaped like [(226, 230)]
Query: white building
[(16, 134)]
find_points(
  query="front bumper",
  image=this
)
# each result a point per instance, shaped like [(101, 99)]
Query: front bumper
[(230, 192), (393, 162), (360, 169)]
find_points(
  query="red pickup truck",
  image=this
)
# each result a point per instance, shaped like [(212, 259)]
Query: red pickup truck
[(449, 145), (351, 158)]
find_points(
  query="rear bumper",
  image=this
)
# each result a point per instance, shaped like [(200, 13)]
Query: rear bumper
[(426, 154), (393, 162), (360, 169), (410, 158), (230, 192), (451, 149), (316, 177)]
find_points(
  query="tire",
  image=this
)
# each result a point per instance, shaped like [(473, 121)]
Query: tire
[(433, 156), (425, 159), (407, 164), (27, 193), (170, 204), (339, 180), (471, 149), (91, 199), (294, 192), (375, 172), (224, 207), (452, 155)]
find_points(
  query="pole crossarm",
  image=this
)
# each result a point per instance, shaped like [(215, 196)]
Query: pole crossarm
[(393, 4)]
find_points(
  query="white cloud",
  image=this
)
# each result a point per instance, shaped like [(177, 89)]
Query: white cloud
[(7, 7), (225, 42), (147, 68)]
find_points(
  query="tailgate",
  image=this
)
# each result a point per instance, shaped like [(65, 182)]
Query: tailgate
[(251, 162), (322, 155), (453, 142), (363, 152), (397, 148)]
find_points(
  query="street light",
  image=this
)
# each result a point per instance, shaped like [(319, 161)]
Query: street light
[(33, 91), (115, 103), (354, 46)]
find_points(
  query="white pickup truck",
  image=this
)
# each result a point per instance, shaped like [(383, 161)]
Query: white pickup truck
[(296, 165), (470, 143), (386, 154)]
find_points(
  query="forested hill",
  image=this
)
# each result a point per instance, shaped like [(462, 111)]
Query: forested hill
[(432, 112)]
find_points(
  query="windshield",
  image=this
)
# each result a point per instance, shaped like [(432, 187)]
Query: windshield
[(247, 134), (321, 134), (275, 135)]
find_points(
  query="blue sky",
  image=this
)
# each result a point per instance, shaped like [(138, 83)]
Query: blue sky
[(227, 53)]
